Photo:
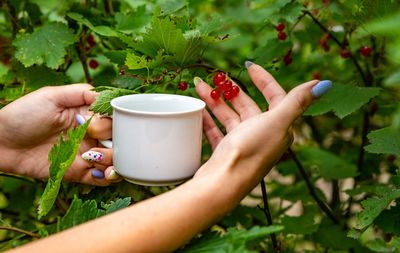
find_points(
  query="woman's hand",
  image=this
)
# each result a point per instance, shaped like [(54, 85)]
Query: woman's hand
[(255, 140), (30, 126)]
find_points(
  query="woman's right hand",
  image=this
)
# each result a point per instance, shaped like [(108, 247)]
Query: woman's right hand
[(254, 140)]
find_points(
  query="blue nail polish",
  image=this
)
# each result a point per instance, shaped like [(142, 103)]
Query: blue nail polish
[(248, 64), (321, 88), (81, 120), (97, 173)]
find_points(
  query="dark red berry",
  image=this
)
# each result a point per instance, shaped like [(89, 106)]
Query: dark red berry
[(325, 1), (372, 109), (5, 60), (391, 158), (182, 86), (280, 27), (282, 35), (215, 94), (220, 76), (83, 3), (324, 39), (235, 89), (365, 51), (316, 76), (345, 53), (93, 64), (228, 94), (327, 47), (288, 59), (91, 41)]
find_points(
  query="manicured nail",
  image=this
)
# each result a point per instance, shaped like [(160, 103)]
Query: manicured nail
[(92, 156), (248, 64), (321, 88), (197, 80), (113, 175), (81, 120), (97, 173)]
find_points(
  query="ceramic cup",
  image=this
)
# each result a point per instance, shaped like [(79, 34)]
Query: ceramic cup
[(157, 138)]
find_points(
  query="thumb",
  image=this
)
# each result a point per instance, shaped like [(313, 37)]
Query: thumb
[(299, 99)]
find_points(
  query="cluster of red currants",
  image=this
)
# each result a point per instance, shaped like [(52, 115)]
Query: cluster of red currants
[(287, 59), (280, 27), (182, 85), (229, 91), (323, 42)]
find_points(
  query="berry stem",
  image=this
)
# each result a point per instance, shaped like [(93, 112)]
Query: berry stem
[(80, 46)]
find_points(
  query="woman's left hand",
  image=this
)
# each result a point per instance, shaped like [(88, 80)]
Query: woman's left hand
[(30, 126)]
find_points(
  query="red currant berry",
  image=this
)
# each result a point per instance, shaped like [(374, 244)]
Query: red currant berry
[(235, 89), (391, 158), (365, 51), (327, 47), (228, 94), (372, 109), (345, 53), (227, 84), (220, 76), (91, 41), (5, 60), (288, 59), (83, 3), (324, 1), (93, 64), (280, 27), (316, 76), (215, 94), (282, 35), (183, 86)]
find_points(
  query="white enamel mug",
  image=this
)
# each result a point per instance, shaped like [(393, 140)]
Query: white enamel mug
[(157, 138)]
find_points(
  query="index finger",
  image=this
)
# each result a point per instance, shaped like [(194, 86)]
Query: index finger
[(266, 83)]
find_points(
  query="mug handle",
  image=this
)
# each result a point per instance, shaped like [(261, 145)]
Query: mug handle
[(106, 143)]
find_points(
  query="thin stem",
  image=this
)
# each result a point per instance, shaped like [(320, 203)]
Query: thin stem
[(267, 213), (20, 230), (82, 54), (310, 187), (341, 45)]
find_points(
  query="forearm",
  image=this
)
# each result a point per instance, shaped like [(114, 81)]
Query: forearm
[(160, 224)]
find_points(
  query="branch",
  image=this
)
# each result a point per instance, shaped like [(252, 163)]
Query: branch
[(268, 215), (20, 230), (310, 187), (80, 45), (341, 45), (10, 10)]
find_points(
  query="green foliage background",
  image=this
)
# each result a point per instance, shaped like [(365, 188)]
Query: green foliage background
[(342, 172)]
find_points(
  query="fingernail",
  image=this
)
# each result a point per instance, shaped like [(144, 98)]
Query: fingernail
[(321, 88), (81, 120), (248, 64), (92, 156), (197, 80), (97, 173), (113, 175)]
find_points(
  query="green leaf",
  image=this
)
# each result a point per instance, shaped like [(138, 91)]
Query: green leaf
[(379, 245), (374, 206), (233, 241), (102, 103), (45, 45), (132, 22), (330, 235), (327, 164), (116, 205), (102, 30), (299, 224), (384, 141), (40, 76), (136, 62), (80, 212), (270, 51), (211, 24), (61, 156), (342, 100), (389, 220)]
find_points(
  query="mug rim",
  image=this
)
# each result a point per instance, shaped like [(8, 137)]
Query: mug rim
[(201, 104)]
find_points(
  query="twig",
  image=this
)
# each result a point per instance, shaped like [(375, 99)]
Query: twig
[(80, 45), (267, 213), (310, 187), (20, 230), (341, 45), (13, 17)]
